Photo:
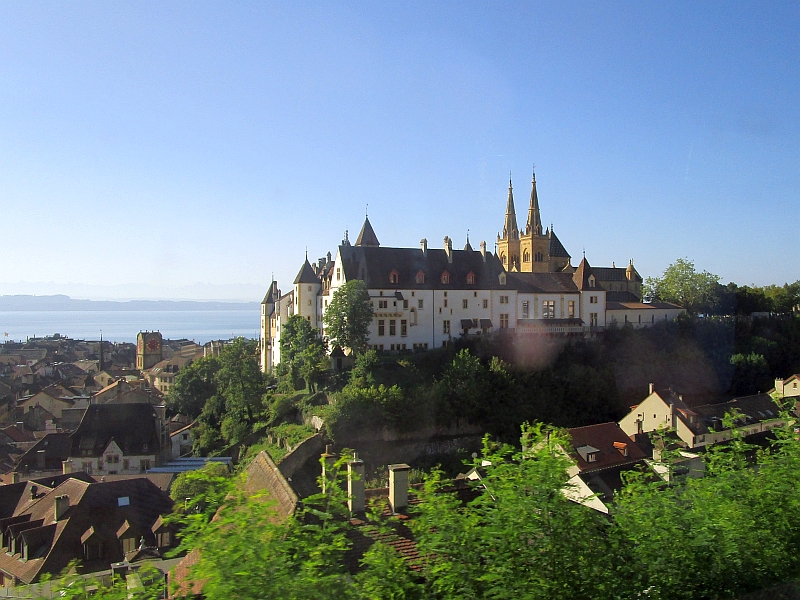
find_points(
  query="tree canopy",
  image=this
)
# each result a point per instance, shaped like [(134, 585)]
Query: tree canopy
[(681, 284), (303, 350), (194, 385), (348, 316)]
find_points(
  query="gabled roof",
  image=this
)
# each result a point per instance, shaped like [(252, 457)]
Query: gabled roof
[(367, 236), (542, 283), (609, 441), (306, 274), (132, 426)]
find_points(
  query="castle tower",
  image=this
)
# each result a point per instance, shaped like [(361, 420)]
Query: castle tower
[(148, 349), (508, 246), (534, 245)]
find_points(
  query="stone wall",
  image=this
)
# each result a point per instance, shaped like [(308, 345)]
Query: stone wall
[(263, 475), (294, 460)]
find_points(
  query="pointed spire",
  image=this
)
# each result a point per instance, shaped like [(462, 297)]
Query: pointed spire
[(468, 246), (101, 366), (367, 236), (534, 224), (510, 230)]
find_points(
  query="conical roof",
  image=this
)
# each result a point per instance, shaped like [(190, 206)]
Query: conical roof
[(367, 236), (581, 275), (468, 246), (306, 274), (555, 247)]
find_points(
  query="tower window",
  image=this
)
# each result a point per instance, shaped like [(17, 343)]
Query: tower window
[(526, 256)]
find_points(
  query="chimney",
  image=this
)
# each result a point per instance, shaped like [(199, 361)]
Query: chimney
[(327, 466), (779, 387), (14, 476), (66, 466), (423, 245), (398, 486), (448, 248), (40, 460), (34, 491), (483, 251), (61, 506), (652, 388), (355, 485)]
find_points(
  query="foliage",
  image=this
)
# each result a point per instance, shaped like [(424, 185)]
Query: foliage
[(348, 317), (303, 351), (683, 285), (194, 385), (201, 491)]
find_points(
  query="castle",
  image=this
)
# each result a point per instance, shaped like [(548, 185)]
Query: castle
[(425, 297)]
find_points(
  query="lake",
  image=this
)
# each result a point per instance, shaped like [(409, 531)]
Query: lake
[(123, 325)]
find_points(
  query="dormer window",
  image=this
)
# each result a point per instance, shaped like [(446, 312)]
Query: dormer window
[(445, 278), (591, 281), (394, 277), (502, 278), (420, 278), (470, 278)]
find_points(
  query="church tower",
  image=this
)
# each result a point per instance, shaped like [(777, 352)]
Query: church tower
[(532, 251), (508, 246)]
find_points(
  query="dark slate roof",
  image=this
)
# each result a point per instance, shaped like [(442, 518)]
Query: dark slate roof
[(56, 446), (581, 276), (542, 283), (758, 407), (271, 293), (131, 426), (373, 265), (367, 236), (556, 247), (617, 296), (306, 274), (614, 274), (636, 304)]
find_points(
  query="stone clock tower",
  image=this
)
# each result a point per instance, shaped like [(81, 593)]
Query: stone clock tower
[(148, 349)]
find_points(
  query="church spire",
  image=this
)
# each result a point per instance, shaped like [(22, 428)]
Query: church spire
[(534, 224), (510, 230)]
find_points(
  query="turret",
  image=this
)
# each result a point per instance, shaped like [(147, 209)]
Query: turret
[(510, 230), (534, 224)]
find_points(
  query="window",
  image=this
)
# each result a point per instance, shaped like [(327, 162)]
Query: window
[(394, 277), (338, 274), (525, 310), (593, 319), (592, 299), (128, 544), (591, 281), (526, 256), (485, 303), (445, 278), (420, 278), (309, 302), (445, 303), (419, 303), (503, 320), (144, 465), (465, 303), (383, 304), (381, 327), (571, 309), (403, 328), (503, 257), (591, 457), (392, 327), (405, 303), (549, 309), (309, 288), (470, 278), (503, 299), (446, 327), (125, 464)]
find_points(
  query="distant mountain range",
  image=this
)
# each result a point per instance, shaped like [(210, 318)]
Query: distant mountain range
[(61, 302)]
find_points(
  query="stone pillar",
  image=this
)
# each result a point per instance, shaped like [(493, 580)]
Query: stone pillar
[(328, 458)]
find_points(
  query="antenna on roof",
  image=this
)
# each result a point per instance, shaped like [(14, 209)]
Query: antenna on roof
[(366, 212)]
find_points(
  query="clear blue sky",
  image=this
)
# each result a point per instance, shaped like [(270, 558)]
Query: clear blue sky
[(166, 144)]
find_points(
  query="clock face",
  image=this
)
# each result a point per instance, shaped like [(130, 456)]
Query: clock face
[(152, 344)]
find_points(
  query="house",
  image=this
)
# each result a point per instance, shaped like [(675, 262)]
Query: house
[(600, 454), (121, 392), (181, 441), (786, 388), (639, 314), (701, 425), (54, 399), (45, 527), (111, 439)]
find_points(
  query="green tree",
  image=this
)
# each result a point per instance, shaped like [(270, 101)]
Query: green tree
[(303, 351), (683, 285), (194, 385), (202, 491), (348, 316), (241, 381)]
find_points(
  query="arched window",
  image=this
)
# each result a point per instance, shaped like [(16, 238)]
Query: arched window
[(394, 277), (526, 256), (420, 278), (503, 257), (591, 281), (446, 277), (470, 278)]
